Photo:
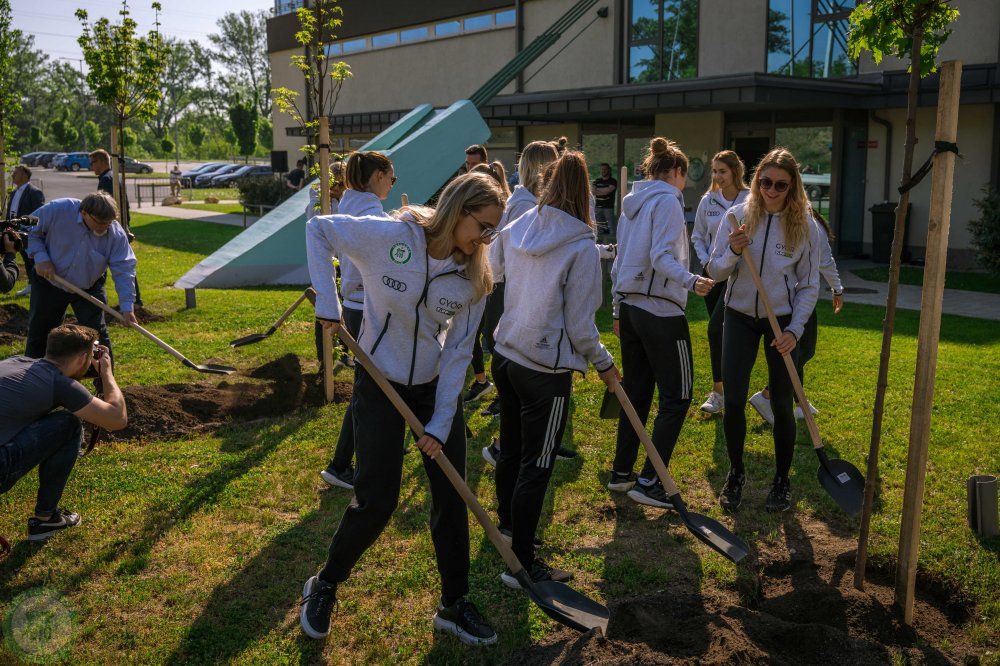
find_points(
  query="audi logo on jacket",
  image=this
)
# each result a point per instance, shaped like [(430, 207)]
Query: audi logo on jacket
[(790, 273), (418, 324)]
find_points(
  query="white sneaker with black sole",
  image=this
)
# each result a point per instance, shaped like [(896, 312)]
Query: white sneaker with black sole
[(340, 478), (798, 411), (713, 403)]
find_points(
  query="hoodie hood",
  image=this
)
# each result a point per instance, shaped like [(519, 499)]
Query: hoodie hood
[(643, 191), (359, 204), (551, 228)]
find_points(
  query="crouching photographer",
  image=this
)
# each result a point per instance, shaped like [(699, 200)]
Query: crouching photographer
[(33, 435), (9, 270)]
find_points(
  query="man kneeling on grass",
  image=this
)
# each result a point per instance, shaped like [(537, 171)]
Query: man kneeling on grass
[(32, 434)]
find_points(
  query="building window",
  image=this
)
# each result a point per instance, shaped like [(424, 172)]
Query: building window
[(808, 38), (481, 22), (493, 20), (506, 17), (448, 28), (414, 34), (663, 40), (286, 6), (387, 39), (355, 45)]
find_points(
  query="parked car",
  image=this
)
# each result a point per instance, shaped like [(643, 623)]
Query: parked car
[(45, 159), (205, 179), (247, 171), (135, 166), (57, 160), (202, 168), (28, 159), (74, 162), (817, 185)]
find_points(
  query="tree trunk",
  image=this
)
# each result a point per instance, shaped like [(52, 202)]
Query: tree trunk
[(3, 171), (888, 324)]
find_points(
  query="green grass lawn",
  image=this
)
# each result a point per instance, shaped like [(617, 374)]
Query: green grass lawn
[(231, 208), (967, 280), (195, 550)]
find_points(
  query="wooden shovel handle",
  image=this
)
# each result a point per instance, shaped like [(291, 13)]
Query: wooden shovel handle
[(288, 313), (654, 456), (793, 374), (442, 460), (404, 199)]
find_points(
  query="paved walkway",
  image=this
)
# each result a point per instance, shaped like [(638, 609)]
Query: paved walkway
[(183, 213), (956, 301)]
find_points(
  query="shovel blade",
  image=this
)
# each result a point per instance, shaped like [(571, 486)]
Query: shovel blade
[(844, 483), (565, 605), (715, 535), (248, 339), (214, 369)]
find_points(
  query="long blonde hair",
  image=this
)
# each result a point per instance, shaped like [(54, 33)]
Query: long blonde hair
[(736, 166), (568, 187), (535, 158), (499, 174), (795, 216), (467, 193)]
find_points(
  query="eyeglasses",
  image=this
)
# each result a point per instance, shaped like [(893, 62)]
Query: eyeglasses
[(488, 233), (778, 185), (393, 180), (94, 220)]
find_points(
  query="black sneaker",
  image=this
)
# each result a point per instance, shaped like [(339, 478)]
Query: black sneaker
[(477, 391), (562, 453), (491, 453), (508, 536), (492, 409), (40, 530), (621, 481), (341, 478), (318, 599), (539, 571), (651, 495), (780, 497), (462, 618), (732, 492)]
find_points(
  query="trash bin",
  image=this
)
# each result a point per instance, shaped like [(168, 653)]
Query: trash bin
[(883, 225), (984, 517)]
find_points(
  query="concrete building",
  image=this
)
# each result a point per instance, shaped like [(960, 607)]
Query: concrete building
[(710, 74)]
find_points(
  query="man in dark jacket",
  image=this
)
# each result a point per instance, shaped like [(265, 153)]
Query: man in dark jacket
[(100, 162), (25, 200)]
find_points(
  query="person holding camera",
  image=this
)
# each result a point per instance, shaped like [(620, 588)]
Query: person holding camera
[(77, 240), (9, 270), (33, 435)]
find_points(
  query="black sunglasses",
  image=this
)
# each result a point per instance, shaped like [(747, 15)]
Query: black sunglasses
[(778, 185)]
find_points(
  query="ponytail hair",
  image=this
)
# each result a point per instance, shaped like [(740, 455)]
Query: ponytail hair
[(568, 187), (361, 167), (735, 164), (663, 155), (535, 158), (560, 145), (499, 174)]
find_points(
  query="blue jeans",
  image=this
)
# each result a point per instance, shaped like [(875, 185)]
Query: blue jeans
[(52, 443)]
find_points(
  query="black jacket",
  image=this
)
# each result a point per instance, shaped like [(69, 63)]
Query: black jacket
[(105, 183), (8, 272), (31, 200)]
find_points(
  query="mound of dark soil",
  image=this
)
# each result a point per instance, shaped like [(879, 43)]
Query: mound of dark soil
[(804, 610), (170, 411), (14, 322)]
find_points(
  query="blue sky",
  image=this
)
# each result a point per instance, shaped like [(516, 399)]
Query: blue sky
[(56, 29)]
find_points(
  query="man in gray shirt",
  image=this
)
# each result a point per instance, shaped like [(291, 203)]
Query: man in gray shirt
[(33, 433)]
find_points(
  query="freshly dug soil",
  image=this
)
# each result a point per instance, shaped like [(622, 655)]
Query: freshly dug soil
[(13, 324), (802, 608), (171, 411)]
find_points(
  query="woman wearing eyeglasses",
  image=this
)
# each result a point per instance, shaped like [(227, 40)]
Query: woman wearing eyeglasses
[(773, 224), (426, 278), (651, 282), (369, 178), (553, 289)]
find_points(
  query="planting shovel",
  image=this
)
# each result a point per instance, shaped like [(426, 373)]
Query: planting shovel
[(708, 530), (210, 368), (558, 600), (842, 480), (257, 337)]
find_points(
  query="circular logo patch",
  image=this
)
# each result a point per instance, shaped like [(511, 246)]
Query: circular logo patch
[(39, 627), (400, 253)]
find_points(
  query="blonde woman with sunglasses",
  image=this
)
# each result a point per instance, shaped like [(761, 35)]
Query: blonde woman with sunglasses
[(775, 226)]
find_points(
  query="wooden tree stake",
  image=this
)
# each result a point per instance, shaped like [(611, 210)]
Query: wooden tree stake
[(932, 296), (324, 208)]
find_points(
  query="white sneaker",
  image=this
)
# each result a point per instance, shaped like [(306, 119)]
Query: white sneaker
[(798, 411), (24, 292), (713, 403), (763, 406)]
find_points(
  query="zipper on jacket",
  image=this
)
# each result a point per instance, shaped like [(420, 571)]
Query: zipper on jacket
[(562, 331), (649, 289), (763, 253), (422, 301), (382, 334), (788, 291)]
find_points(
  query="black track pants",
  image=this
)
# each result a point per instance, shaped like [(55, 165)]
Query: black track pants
[(344, 452), (656, 353), (380, 434), (740, 343), (533, 410), (716, 305)]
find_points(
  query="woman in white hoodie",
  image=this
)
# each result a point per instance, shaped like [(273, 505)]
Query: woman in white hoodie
[(775, 227), (535, 159), (727, 190), (553, 275), (426, 282), (369, 178), (651, 282)]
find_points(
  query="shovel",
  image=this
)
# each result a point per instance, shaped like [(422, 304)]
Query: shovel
[(842, 480), (257, 337), (708, 530), (558, 600), (210, 368)]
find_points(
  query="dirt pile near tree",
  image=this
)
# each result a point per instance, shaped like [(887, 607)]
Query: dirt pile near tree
[(170, 411), (799, 607), (13, 324)]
